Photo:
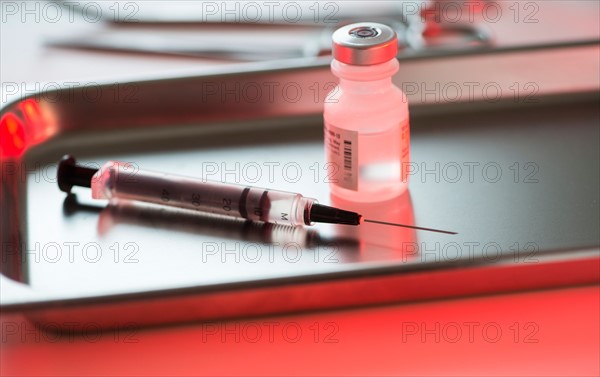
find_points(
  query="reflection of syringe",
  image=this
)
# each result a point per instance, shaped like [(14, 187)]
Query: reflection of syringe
[(123, 181)]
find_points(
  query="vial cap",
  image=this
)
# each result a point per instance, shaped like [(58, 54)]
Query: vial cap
[(365, 43)]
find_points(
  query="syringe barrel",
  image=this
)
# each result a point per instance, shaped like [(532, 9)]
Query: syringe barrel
[(123, 181)]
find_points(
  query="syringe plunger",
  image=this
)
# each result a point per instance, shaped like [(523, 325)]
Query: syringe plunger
[(123, 181)]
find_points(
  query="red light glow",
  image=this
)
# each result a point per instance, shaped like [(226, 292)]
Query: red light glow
[(31, 111), (12, 136)]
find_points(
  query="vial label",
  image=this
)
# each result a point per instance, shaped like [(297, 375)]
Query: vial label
[(342, 151), (381, 172)]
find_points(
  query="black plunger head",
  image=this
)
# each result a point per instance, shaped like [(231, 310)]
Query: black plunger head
[(70, 174)]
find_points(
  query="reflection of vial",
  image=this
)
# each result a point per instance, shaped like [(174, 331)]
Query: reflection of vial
[(366, 116)]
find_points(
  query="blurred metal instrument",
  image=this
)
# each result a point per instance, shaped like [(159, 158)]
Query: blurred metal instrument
[(417, 36)]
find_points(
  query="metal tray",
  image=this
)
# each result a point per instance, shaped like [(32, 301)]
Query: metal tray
[(520, 187)]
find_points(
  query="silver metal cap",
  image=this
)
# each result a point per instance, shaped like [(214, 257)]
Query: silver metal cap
[(365, 43)]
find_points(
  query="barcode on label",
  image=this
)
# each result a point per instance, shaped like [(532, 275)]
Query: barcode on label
[(342, 151), (347, 155)]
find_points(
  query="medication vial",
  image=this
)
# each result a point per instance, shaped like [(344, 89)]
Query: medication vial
[(367, 141)]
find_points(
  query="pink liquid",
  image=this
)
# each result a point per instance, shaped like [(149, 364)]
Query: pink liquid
[(367, 105), (380, 163)]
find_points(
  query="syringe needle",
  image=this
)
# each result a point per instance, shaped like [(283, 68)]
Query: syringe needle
[(408, 226)]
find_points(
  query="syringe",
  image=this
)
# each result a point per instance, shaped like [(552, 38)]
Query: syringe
[(122, 180)]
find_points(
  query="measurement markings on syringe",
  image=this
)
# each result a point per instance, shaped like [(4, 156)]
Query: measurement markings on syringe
[(185, 192)]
